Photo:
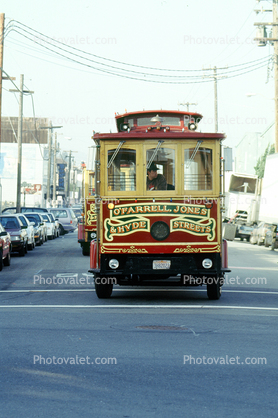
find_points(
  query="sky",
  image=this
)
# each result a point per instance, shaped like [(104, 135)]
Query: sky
[(165, 50)]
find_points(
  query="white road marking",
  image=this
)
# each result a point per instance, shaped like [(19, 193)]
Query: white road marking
[(253, 268), (137, 290), (143, 306)]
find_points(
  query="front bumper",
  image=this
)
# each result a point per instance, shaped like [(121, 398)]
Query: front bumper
[(143, 265)]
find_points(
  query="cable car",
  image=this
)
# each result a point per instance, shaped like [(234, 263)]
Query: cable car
[(159, 202)]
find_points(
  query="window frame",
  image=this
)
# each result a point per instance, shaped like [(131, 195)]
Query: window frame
[(170, 144), (209, 144)]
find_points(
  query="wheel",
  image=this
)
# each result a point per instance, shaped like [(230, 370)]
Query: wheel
[(7, 260), (61, 230), (273, 246), (22, 251), (252, 241), (214, 288), (85, 250), (1, 261), (26, 247), (103, 290)]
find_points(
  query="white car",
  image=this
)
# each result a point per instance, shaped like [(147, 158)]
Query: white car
[(56, 223), (30, 230), (50, 226)]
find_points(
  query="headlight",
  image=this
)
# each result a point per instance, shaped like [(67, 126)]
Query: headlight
[(113, 264), (16, 238), (207, 263), (160, 230)]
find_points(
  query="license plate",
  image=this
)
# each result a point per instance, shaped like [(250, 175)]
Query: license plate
[(161, 264)]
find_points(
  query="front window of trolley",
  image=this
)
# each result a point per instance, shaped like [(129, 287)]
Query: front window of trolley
[(160, 169), (198, 168), (121, 169)]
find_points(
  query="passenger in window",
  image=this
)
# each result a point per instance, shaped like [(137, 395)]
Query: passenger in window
[(155, 181)]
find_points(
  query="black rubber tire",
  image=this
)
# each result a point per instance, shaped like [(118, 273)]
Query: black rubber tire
[(1, 261), (104, 291), (26, 247), (85, 250), (7, 260), (214, 288), (61, 230), (22, 252)]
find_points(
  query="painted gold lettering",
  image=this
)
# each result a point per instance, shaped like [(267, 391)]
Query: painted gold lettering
[(127, 227), (176, 209), (130, 210)]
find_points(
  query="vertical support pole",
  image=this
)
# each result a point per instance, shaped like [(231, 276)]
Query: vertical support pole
[(19, 145), (215, 100), (49, 165), (2, 20), (54, 171), (275, 36)]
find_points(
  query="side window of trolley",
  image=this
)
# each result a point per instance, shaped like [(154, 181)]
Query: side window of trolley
[(198, 167), (161, 164), (121, 169)]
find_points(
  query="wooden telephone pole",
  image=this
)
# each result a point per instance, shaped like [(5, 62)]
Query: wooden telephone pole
[(2, 20)]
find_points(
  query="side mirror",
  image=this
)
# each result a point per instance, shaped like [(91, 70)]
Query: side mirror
[(24, 227), (3, 233)]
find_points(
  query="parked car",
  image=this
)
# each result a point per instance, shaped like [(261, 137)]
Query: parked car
[(30, 230), (49, 225), (271, 237), (56, 224), (67, 219), (40, 219), (23, 209), (5, 248), (18, 233), (78, 214), (38, 228), (258, 234)]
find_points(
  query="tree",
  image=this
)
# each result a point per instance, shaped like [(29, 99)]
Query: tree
[(260, 166)]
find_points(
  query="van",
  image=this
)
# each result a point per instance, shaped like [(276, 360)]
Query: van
[(66, 217)]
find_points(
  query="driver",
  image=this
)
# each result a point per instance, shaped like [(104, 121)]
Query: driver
[(155, 181)]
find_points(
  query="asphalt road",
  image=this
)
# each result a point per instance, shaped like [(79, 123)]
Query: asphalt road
[(151, 352)]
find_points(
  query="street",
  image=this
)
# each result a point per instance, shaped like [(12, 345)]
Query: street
[(146, 352)]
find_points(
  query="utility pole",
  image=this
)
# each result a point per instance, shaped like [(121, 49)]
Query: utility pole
[(19, 139), (275, 36), (50, 129), (54, 170), (216, 78), (69, 170), (69, 175), (187, 104), (262, 40), (2, 20), (19, 145)]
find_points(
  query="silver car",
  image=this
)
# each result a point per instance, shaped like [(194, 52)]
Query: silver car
[(41, 221), (29, 229), (67, 219)]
